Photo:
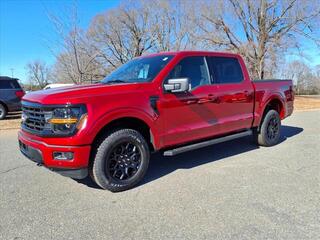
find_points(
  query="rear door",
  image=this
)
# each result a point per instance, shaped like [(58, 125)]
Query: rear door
[(233, 94)]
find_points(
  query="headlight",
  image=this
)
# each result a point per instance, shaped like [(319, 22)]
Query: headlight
[(66, 120)]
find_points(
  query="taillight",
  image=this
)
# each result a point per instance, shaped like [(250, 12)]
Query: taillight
[(292, 93), (19, 93)]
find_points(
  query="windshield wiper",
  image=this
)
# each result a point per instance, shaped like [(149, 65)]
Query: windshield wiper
[(115, 81)]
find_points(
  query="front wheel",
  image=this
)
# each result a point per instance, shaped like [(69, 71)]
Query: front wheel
[(269, 134), (121, 160)]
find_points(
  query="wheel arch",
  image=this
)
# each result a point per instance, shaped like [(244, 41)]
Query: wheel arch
[(273, 103), (131, 122), (5, 105), (127, 122)]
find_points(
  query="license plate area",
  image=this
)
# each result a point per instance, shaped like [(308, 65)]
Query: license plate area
[(23, 147), (33, 154)]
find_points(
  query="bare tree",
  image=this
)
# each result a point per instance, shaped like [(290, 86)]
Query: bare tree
[(172, 24), (121, 34), (141, 26), (39, 73), (317, 71), (262, 31), (77, 62), (316, 79), (306, 79)]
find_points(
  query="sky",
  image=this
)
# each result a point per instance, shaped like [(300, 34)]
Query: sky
[(25, 30)]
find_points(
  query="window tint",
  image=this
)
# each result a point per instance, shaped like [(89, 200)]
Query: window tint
[(225, 70), (9, 84), (193, 68)]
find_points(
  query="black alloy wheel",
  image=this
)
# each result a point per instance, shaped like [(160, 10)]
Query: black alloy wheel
[(269, 133), (121, 160), (273, 128), (124, 161)]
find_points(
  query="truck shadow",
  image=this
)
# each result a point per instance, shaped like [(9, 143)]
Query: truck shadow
[(161, 166)]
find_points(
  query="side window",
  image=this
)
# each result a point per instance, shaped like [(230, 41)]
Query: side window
[(15, 84), (6, 84), (225, 70), (193, 68)]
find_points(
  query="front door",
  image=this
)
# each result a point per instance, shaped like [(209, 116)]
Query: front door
[(188, 116)]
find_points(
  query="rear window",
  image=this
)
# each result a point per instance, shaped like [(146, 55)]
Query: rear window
[(225, 70), (9, 84)]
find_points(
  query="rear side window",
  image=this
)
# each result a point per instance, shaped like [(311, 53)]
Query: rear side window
[(9, 84), (193, 68), (225, 70)]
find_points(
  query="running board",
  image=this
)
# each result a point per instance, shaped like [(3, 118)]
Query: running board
[(206, 143)]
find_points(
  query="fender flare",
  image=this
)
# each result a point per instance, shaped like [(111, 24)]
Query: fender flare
[(5, 106), (272, 96), (119, 113)]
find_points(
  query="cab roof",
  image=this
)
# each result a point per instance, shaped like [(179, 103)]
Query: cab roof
[(193, 53)]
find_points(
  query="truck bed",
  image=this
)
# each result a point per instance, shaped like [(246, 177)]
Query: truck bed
[(266, 88)]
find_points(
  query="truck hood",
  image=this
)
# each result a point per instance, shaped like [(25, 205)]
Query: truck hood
[(79, 93)]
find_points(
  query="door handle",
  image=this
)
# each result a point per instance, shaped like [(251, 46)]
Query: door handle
[(210, 98), (191, 102), (203, 100), (247, 94)]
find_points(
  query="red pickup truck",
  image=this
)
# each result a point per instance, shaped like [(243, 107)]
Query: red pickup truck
[(171, 102)]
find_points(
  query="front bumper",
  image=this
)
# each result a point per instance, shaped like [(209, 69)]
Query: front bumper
[(42, 153)]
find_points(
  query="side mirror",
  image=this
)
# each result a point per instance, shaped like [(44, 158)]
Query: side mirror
[(177, 85)]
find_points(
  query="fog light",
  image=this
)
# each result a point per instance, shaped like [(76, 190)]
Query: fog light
[(66, 156)]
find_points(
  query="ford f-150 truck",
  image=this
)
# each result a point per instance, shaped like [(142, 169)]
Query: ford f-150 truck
[(170, 102)]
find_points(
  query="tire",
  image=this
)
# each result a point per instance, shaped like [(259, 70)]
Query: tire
[(121, 160), (269, 134), (3, 111)]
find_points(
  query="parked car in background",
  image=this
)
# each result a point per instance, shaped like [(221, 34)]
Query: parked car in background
[(55, 85), (171, 102), (10, 95)]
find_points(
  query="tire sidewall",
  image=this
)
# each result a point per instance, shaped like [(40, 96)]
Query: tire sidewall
[(4, 111), (102, 177), (264, 128)]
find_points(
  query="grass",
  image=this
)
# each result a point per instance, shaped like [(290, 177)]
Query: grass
[(302, 103)]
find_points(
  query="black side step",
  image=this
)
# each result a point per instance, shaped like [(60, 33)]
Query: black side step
[(194, 146)]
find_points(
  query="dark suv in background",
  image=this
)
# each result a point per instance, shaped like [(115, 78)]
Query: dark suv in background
[(10, 95)]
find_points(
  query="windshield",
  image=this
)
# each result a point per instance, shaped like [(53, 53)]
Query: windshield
[(143, 69)]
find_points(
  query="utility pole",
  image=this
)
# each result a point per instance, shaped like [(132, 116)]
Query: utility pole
[(12, 70)]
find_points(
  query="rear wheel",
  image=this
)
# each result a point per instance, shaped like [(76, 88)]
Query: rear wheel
[(3, 111), (121, 160), (269, 134)]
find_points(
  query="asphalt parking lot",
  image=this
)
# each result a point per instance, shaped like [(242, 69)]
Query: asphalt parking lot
[(232, 190)]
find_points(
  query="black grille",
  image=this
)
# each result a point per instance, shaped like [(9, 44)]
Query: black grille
[(33, 119)]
